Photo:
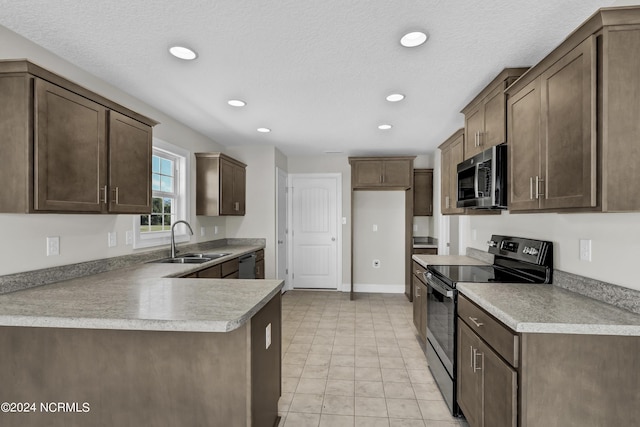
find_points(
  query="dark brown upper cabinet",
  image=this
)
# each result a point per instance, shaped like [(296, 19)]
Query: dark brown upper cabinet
[(220, 185), (381, 173), (573, 121), (422, 192), (452, 154), (67, 149), (485, 118)]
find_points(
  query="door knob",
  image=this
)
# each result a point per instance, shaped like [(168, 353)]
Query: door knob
[(333, 239), (280, 242)]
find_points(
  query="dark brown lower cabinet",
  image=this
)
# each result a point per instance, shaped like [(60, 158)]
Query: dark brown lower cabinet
[(487, 386), (508, 379), (145, 378), (419, 302)]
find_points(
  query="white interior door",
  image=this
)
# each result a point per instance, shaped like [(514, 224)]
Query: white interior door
[(281, 225), (315, 231)]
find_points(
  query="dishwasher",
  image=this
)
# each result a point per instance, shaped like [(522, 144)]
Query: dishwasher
[(247, 266)]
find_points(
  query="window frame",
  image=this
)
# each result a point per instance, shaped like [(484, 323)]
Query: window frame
[(182, 159)]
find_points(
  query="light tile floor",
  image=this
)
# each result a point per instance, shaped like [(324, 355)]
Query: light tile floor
[(355, 363)]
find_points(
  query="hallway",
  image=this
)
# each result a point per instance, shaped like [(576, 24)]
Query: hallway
[(355, 363)]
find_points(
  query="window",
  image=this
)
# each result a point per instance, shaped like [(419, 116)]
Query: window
[(169, 201), (164, 177)]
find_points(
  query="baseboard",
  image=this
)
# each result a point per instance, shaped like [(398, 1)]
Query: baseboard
[(377, 289)]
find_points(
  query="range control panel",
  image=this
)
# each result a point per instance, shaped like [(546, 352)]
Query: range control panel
[(517, 248)]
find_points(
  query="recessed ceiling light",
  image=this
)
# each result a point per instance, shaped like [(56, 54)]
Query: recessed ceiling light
[(413, 39), (183, 53), (236, 103), (395, 97), (385, 127), (264, 130)]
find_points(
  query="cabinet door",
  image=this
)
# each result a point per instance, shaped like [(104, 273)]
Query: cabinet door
[(239, 190), (569, 121), (367, 173), (214, 272), (500, 390), (423, 192), (70, 151), (495, 121), (453, 155), (473, 128), (227, 174), (469, 375), (397, 173), (130, 148), (523, 110), (260, 269)]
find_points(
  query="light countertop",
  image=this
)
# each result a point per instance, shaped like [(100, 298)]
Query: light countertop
[(143, 297), (549, 309)]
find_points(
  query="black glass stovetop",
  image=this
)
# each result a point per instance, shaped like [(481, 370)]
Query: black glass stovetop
[(452, 274)]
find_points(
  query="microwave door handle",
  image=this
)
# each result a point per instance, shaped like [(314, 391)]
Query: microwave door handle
[(475, 180)]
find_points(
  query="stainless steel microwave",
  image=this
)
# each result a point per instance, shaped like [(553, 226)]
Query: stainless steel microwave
[(482, 180)]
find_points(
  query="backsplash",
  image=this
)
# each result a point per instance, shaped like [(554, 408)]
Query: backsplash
[(30, 279)]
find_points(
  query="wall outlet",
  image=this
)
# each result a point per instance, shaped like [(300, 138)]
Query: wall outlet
[(267, 336), (112, 239), (585, 250), (202, 231), (129, 237), (415, 228), (53, 246), (344, 220), (215, 229), (376, 263), (375, 227)]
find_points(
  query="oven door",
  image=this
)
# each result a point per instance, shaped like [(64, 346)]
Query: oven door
[(441, 320)]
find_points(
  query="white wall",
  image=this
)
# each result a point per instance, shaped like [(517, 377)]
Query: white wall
[(84, 237), (386, 210), (259, 220), (615, 241)]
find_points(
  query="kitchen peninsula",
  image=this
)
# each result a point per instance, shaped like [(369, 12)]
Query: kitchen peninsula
[(134, 347)]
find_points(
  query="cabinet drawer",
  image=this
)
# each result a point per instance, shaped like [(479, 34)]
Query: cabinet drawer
[(503, 340), (211, 273), (230, 267)]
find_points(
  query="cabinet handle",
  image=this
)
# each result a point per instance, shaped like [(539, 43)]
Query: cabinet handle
[(538, 191), (480, 134), (476, 353), (237, 206), (103, 200), (531, 187), (117, 196), (417, 292), (472, 356), (446, 202), (475, 321)]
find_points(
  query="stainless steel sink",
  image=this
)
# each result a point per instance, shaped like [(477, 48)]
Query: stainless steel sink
[(191, 258), (210, 256), (183, 260)]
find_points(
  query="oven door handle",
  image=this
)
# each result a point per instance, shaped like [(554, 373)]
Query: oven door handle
[(442, 290)]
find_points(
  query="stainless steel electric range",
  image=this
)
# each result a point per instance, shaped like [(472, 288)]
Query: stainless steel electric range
[(517, 260)]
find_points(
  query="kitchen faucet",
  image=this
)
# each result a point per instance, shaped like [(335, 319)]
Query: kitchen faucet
[(173, 236)]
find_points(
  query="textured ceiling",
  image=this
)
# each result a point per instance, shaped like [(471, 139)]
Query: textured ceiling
[(315, 72)]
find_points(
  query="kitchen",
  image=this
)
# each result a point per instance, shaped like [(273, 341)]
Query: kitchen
[(82, 237)]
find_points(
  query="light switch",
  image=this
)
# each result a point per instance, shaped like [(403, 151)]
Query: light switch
[(202, 231), (129, 238), (585, 250), (375, 227), (112, 239)]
